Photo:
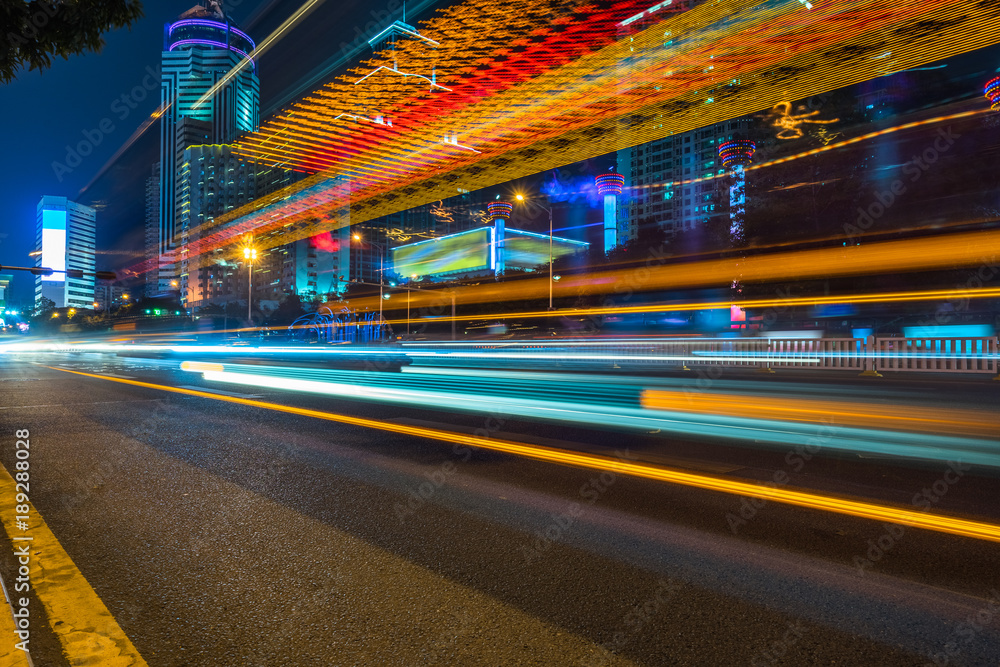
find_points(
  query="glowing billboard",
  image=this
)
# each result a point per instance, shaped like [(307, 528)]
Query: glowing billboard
[(528, 250), (472, 251), (464, 252), (54, 243)]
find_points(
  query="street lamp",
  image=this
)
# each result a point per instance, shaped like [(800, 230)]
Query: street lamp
[(381, 272), (450, 293), (520, 198), (250, 255)]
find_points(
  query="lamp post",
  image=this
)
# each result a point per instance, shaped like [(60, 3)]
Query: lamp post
[(450, 293), (381, 271), (521, 198), (249, 254)]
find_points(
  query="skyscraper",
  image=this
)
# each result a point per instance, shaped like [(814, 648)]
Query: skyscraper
[(5, 279), (65, 236), (675, 183), (210, 94), (212, 181), (152, 246)]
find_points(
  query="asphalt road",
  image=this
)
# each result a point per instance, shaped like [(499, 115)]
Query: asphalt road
[(224, 534)]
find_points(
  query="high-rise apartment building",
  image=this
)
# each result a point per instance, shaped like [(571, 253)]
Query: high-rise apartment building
[(5, 280), (212, 181), (152, 244), (65, 240), (210, 94), (677, 183)]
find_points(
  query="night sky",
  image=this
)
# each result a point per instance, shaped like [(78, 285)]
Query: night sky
[(45, 112)]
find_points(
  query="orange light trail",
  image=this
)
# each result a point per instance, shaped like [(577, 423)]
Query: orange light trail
[(885, 257), (909, 517), (885, 297), (846, 413)]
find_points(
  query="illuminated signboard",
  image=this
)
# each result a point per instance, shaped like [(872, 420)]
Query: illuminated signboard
[(54, 243), (527, 250), (456, 253), (471, 251)]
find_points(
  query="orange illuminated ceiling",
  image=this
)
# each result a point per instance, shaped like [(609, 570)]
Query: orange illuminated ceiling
[(521, 87)]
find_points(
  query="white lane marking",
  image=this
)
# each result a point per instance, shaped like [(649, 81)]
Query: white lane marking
[(219, 391), (66, 405)]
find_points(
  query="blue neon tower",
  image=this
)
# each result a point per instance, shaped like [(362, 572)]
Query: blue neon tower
[(610, 186), (499, 212), (735, 156), (992, 92)]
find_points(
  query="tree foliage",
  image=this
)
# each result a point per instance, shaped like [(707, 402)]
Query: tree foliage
[(289, 310), (34, 32), (45, 306)]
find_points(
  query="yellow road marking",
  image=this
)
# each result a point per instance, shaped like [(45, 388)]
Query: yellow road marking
[(86, 629), (909, 517)]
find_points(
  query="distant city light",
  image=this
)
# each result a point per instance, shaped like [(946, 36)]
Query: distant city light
[(736, 152), (992, 92)]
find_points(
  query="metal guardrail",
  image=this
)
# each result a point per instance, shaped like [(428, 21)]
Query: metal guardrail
[(867, 355), (936, 355)]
